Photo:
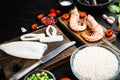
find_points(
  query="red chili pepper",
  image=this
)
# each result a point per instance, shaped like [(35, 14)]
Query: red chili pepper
[(52, 10), (40, 16), (34, 26), (65, 16), (58, 12), (65, 78), (52, 14), (82, 14), (109, 33)]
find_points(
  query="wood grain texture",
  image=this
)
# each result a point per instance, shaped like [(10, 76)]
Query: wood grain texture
[(12, 65)]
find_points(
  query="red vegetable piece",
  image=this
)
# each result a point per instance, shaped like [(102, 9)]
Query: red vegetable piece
[(52, 14), (52, 10), (82, 14), (109, 33), (65, 16), (65, 78), (58, 12), (40, 16), (34, 26)]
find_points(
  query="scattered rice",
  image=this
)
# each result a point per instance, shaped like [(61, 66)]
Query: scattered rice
[(95, 63)]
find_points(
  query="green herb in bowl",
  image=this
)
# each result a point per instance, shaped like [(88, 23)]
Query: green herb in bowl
[(40, 75)]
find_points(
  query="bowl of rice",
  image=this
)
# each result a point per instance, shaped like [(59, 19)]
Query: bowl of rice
[(95, 62)]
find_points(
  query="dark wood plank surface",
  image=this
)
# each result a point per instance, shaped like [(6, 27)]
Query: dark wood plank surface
[(80, 38), (12, 65)]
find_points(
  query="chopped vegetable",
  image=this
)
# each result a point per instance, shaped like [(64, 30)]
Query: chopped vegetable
[(52, 10), (114, 8), (40, 16), (109, 33), (39, 76), (34, 26), (65, 16), (52, 14), (82, 14), (58, 12), (65, 78), (119, 22)]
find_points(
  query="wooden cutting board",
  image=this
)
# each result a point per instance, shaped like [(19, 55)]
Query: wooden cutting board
[(77, 35), (12, 64), (104, 40)]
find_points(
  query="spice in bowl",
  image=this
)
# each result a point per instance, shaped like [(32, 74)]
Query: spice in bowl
[(48, 20)]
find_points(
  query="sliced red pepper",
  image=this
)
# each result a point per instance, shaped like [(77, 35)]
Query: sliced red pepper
[(34, 26), (52, 14), (83, 14), (58, 12), (65, 16), (109, 33), (52, 10), (65, 78), (40, 16)]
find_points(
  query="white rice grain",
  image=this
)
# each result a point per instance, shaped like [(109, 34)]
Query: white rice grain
[(95, 63)]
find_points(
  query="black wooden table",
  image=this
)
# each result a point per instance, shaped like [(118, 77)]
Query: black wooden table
[(22, 13)]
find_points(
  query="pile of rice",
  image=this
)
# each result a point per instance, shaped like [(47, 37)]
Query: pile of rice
[(95, 63)]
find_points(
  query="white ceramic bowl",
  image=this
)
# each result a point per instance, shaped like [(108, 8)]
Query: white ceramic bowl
[(78, 75)]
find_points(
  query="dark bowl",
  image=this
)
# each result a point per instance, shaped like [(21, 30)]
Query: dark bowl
[(91, 7), (40, 75)]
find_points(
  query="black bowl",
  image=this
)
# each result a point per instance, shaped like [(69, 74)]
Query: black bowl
[(91, 7)]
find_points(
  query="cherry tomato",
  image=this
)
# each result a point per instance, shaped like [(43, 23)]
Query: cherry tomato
[(65, 78), (65, 16), (58, 12), (34, 26), (109, 33), (52, 10), (82, 14), (52, 14), (40, 16)]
